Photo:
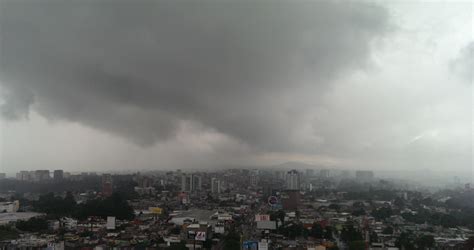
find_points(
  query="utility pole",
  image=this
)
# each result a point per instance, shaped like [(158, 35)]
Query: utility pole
[(241, 241)]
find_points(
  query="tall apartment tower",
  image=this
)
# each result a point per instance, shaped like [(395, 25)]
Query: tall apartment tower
[(191, 182), (292, 180), (58, 175), (186, 183), (216, 186), (197, 182), (41, 175)]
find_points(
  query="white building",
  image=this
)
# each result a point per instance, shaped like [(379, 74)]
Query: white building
[(190, 182), (9, 207), (69, 223), (292, 180), (24, 176)]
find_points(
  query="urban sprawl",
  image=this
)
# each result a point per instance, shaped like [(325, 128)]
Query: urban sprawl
[(231, 209)]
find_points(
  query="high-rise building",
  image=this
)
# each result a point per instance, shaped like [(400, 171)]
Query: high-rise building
[(41, 175), (254, 177), (66, 175), (23, 176), (215, 185), (107, 185), (292, 180), (191, 182), (58, 175), (143, 181), (197, 182), (309, 172), (186, 183)]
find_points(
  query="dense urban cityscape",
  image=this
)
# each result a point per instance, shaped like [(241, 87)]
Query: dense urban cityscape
[(231, 209), (236, 124)]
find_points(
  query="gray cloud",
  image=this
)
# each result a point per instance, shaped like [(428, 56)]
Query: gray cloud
[(249, 69), (463, 64)]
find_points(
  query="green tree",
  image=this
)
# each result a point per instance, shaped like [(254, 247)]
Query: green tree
[(34, 224), (399, 202), (387, 230), (349, 234), (334, 206), (358, 212), (374, 237), (207, 244), (328, 233), (56, 206), (425, 241), (116, 205), (382, 213), (232, 241), (292, 231), (405, 241), (357, 245), (317, 231), (69, 202), (8, 233), (175, 230)]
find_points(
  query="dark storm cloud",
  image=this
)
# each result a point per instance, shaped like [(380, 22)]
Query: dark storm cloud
[(139, 69)]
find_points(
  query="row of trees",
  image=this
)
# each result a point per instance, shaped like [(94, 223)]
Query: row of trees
[(34, 224), (409, 241), (232, 240), (463, 217), (453, 218), (87, 183), (8, 233), (55, 207)]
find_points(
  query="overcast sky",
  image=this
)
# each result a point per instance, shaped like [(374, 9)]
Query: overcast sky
[(109, 85)]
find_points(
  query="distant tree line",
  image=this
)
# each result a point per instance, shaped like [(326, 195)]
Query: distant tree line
[(371, 194), (35, 224), (55, 207), (87, 183), (454, 218)]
